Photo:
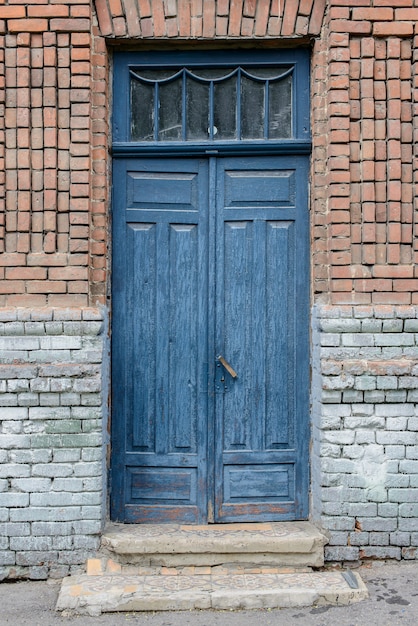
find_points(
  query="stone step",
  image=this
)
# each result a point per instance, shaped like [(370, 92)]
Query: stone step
[(111, 587), (175, 545)]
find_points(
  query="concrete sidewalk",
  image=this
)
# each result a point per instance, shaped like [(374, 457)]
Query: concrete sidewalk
[(393, 589)]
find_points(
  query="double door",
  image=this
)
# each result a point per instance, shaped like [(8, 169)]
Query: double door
[(210, 367)]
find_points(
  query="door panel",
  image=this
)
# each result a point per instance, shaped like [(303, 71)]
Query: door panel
[(210, 259), (160, 334), (260, 432)]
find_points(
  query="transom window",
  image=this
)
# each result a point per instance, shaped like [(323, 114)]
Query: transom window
[(212, 104)]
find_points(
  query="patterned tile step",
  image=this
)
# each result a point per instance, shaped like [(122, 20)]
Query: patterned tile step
[(94, 595), (284, 543)]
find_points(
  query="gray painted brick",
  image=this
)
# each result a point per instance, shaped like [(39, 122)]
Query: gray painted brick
[(14, 500), (380, 552), (396, 423), (13, 413), (340, 553), (15, 530), (87, 527), (396, 438), (397, 480), (30, 543), (48, 413), (351, 395), (408, 510), (53, 470), (31, 484), (92, 512), (394, 339), (36, 557), (378, 539), (393, 410), (413, 423), (28, 399), (359, 539), (15, 441), (51, 528), (403, 495), (91, 454), (331, 396), (340, 437), (408, 466), (411, 326), (59, 343), (387, 382), (408, 524), (375, 524), (62, 543), (392, 326), (337, 538), (43, 514), (358, 340), (30, 456), (362, 509), (400, 539), (387, 509), (338, 523), (70, 455), (364, 421), (17, 344), (7, 557), (374, 396), (64, 498)]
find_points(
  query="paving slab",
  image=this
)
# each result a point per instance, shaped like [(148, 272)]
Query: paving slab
[(98, 594)]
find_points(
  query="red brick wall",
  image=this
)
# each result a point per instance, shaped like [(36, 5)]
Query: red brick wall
[(210, 19), (54, 161), (52, 156), (364, 124)]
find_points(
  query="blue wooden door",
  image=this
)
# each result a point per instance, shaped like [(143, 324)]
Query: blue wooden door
[(210, 339), (261, 330)]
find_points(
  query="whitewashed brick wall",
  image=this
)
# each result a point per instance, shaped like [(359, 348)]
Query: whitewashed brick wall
[(51, 439), (365, 430)]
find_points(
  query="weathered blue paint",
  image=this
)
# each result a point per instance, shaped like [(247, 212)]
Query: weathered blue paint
[(210, 257), (262, 265), (217, 266)]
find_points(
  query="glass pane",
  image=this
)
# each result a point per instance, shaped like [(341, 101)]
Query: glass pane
[(156, 75), (252, 109), (280, 109), (197, 110), (170, 111), (142, 111), (225, 119), (211, 74), (267, 73)]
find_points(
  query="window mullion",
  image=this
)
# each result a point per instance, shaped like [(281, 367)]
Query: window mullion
[(239, 103), (184, 107), (156, 110), (266, 109), (211, 109)]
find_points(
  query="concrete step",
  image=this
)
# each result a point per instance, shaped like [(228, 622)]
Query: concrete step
[(111, 587), (174, 545)]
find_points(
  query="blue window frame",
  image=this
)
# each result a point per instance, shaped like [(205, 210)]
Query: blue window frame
[(192, 103)]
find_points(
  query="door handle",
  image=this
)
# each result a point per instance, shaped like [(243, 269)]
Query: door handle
[(227, 366)]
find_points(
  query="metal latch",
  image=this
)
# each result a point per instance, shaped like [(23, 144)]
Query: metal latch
[(227, 366)]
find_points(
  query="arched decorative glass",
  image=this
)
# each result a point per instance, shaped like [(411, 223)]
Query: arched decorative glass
[(220, 104)]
